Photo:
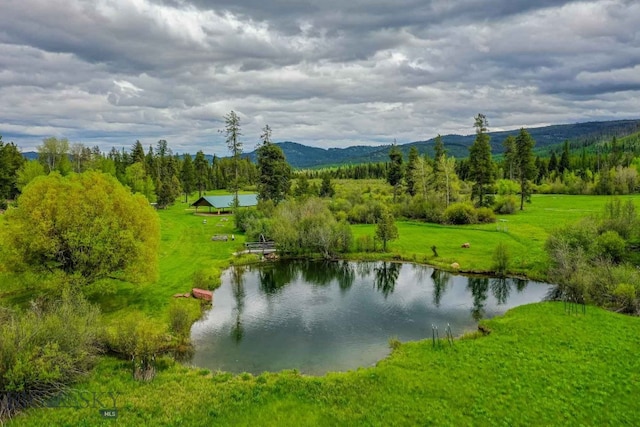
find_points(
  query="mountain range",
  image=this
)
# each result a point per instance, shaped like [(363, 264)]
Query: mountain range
[(547, 138)]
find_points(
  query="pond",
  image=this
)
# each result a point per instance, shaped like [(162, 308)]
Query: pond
[(318, 316)]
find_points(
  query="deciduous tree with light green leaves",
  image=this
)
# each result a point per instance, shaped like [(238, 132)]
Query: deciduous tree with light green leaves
[(87, 225), (386, 229)]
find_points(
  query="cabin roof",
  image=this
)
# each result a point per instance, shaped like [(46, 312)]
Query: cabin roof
[(222, 202)]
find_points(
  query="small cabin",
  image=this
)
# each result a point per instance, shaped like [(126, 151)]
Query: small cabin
[(224, 203)]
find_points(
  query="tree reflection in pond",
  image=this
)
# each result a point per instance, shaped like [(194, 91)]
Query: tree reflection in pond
[(386, 277), (268, 317), (237, 288), (440, 280), (500, 288), (479, 287)]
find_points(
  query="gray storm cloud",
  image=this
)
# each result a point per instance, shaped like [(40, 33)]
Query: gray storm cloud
[(109, 72)]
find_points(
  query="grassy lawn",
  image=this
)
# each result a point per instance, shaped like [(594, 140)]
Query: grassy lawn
[(539, 366), (525, 234)]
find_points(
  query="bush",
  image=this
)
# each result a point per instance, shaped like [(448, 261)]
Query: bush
[(625, 296), (501, 259), (610, 246), (485, 215), (3, 205), (46, 348), (461, 213), (505, 205), (206, 279), (365, 244), (507, 186), (141, 340), (180, 320)]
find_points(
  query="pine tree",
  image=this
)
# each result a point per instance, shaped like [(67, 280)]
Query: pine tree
[(201, 168), (326, 188), (564, 159), (274, 172), (187, 177), (395, 172), (481, 169), (524, 162), (232, 132), (509, 145), (412, 164), (137, 153), (438, 149)]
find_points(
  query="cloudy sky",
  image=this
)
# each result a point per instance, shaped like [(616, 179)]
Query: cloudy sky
[(328, 73)]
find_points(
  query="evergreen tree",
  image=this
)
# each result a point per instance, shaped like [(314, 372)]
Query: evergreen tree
[(232, 132), (553, 163), (395, 172), (201, 172), (137, 153), (564, 159), (481, 169), (11, 160), (187, 177), (509, 145), (524, 162), (438, 149), (302, 186), (326, 188), (275, 173), (412, 164)]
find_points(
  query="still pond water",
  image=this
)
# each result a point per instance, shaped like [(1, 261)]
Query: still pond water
[(319, 316)]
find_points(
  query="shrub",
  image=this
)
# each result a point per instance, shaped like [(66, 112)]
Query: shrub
[(141, 340), (460, 213), (507, 186), (365, 244), (206, 279), (485, 215), (3, 205), (624, 296), (180, 320), (46, 348), (505, 205), (609, 245), (501, 259)]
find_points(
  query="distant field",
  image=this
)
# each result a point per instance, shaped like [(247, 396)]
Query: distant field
[(525, 234)]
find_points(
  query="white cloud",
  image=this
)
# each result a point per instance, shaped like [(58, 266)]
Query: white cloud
[(321, 73)]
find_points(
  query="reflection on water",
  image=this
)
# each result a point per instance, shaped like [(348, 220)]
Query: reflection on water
[(322, 316), (386, 277)]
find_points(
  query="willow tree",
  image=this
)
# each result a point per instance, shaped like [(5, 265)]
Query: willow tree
[(89, 226)]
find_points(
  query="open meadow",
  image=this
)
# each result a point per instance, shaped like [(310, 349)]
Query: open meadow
[(540, 365)]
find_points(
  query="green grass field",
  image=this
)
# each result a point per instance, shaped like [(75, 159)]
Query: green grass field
[(539, 366), (525, 234)]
